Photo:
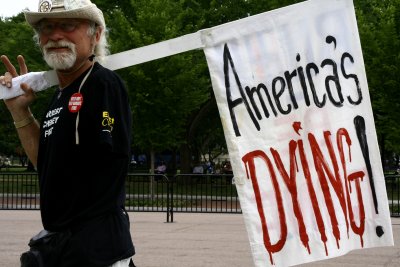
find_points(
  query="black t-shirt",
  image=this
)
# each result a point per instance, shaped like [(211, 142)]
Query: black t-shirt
[(82, 187)]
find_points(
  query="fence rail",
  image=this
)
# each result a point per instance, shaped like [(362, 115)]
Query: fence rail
[(197, 193)]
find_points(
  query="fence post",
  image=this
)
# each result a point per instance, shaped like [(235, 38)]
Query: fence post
[(170, 205), (168, 200)]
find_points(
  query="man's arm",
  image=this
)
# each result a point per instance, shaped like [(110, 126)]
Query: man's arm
[(27, 127), (28, 130)]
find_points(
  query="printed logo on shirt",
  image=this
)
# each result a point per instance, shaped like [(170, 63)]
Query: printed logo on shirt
[(107, 122), (51, 119)]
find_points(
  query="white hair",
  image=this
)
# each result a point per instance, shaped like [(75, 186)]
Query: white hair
[(101, 49)]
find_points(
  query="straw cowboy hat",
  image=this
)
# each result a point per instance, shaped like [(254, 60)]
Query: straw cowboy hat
[(77, 9)]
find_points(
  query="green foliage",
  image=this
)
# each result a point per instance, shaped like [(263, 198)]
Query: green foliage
[(170, 97), (378, 23), (165, 92), (18, 42)]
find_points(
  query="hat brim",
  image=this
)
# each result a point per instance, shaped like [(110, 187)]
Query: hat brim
[(90, 12)]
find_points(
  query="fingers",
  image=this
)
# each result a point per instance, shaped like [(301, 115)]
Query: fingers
[(6, 79), (23, 69), (9, 66), (26, 88)]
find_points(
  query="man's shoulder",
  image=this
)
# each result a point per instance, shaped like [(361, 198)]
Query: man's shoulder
[(102, 75), (99, 69), (105, 83)]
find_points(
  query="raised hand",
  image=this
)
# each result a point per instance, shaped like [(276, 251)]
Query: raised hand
[(18, 106)]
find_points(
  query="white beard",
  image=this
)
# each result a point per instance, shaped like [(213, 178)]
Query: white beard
[(57, 60)]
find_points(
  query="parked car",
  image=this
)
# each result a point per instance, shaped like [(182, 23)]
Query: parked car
[(199, 169)]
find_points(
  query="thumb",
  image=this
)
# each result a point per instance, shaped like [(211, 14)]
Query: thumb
[(27, 90)]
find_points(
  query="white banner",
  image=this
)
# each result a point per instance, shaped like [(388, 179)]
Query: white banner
[(294, 103), (293, 98)]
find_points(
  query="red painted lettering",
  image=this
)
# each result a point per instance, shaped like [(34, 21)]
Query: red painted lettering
[(290, 182), (329, 178), (248, 160)]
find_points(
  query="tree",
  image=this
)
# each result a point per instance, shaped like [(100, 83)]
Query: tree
[(165, 92), (205, 135), (378, 23), (170, 96), (18, 42)]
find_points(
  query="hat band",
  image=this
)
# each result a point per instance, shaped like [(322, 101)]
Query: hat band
[(47, 6)]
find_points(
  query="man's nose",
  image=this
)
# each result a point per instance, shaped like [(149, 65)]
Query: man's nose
[(56, 34)]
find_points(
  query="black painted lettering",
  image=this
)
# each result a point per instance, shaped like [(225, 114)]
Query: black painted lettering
[(250, 93), (351, 76), (278, 94), (303, 84), (229, 67), (289, 76), (317, 102), (335, 79)]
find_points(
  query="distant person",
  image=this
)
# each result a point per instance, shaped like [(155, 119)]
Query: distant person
[(142, 159), (161, 168), (210, 167)]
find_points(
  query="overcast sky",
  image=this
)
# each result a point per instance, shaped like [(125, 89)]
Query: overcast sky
[(13, 7)]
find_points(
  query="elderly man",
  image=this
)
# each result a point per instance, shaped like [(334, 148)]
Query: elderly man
[(81, 148)]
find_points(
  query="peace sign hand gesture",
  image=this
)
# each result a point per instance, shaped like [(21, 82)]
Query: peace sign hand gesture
[(18, 106)]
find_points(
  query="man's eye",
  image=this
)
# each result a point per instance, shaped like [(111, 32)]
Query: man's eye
[(67, 26), (47, 27)]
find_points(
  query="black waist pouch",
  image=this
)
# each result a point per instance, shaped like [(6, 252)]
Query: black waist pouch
[(45, 249)]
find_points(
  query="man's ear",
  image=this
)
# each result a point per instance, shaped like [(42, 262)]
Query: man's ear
[(99, 30), (96, 38)]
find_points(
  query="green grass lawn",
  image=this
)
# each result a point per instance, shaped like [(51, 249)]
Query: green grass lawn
[(13, 169)]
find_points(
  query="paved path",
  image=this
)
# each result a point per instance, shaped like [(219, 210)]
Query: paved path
[(193, 240)]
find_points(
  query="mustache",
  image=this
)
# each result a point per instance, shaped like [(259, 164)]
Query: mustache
[(59, 44)]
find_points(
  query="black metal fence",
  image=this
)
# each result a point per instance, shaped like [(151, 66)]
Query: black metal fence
[(19, 191), (393, 193), (206, 193)]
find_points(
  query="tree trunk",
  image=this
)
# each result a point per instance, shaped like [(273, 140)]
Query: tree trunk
[(384, 165), (152, 163), (185, 159)]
